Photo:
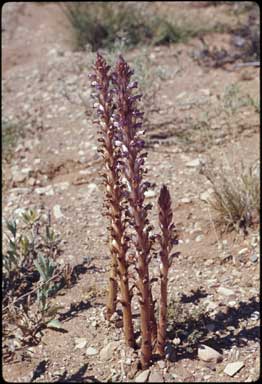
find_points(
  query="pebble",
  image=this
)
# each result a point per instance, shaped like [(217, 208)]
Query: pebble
[(176, 341), (32, 181), (242, 251), (155, 377), (206, 195), (186, 200), (255, 316), (107, 352), (80, 342), (150, 193), (193, 163), (225, 291), (254, 258), (57, 211), (18, 177), (92, 187), (91, 351), (208, 354), (26, 171), (199, 238), (161, 364), (211, 305), (142, 377), (62, 186), (45, 190), (232, 368), (232, 303)]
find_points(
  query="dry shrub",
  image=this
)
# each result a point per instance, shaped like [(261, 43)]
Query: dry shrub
[(236, 197)]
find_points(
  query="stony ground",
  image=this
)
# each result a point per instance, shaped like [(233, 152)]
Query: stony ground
[(56, 166)]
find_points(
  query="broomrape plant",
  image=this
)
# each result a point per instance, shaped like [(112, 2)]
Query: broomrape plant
[(122, 149)]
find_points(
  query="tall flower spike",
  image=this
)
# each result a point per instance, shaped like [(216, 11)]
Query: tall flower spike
[(128, 122), (167, 239), (114, 195)]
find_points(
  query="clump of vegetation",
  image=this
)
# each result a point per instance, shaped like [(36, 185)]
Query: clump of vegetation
[(31, 275), (101, 24), (10, 133), (131, 238), (236, 198)]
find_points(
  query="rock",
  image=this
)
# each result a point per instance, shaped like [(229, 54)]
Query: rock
[(186, 200), (32, 181), (18, 177), (225, 291), (232, 368), (211, 305), (255, 315), (208, 354), (57, 211), (199, 238), (194, 163), (62, 186), (107, 352), (254, 258), (205, 196), (91, 351), (176, 341), (27, 171), (242, 251), (80, 342), (92, 187), (150, 193), (48, 190), (155, 377), (161, 364), (142, 377), (232, 303), (205, 91)]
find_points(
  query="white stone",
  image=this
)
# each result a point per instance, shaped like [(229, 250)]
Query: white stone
[(155, 377), (107, 352), (225, 291), (45, 190), (193, 163), (186, 200), (91, 351), (206, 195), (208, 354), (142, 377), (232, 368), (243, 251), (57, 211), (150, 193), (80, 342), (199, 238)]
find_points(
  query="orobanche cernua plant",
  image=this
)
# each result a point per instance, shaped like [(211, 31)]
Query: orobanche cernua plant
[(131, 238)]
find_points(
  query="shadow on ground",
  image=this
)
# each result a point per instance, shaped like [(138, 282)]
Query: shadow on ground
[(195, 331)]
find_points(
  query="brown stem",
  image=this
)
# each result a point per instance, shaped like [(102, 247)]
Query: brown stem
[(114, 196), (131, 146), (112, 287), (167, 239)]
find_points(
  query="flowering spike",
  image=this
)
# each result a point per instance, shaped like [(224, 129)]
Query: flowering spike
[(101, 80), (167, 239)]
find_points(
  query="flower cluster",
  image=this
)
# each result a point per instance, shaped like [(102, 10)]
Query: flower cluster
[(122, 148)]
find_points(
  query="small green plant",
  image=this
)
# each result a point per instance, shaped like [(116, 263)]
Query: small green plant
[(10, 133), (102, 24), (31, 275)]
